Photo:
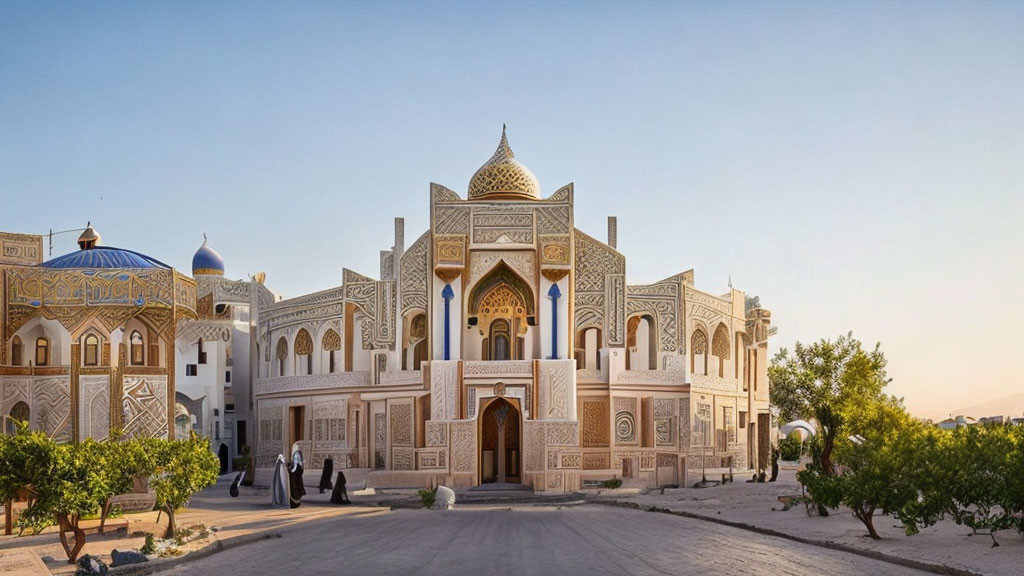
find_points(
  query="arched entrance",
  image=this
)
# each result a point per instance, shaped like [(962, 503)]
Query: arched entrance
[(500, 454), (501, 307)]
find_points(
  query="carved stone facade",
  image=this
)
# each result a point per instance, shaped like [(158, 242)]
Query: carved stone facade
[(503, 311)]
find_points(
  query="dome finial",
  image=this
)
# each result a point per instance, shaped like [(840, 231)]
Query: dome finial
[(204, 237), (89, 238)]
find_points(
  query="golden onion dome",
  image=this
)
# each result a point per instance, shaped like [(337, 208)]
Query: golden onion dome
[(503, 177)]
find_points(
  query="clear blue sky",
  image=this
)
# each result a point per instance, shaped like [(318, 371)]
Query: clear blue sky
[(859, 166)]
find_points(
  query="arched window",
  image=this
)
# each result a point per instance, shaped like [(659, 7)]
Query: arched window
[(331, 343), (499, 338), (720, 347), (16, 351), (304, 347), (281, 353), (92, 350), (138, 355), (42, 352), (698, 352)]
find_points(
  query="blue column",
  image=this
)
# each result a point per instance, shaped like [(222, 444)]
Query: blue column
[(555, 294), (447, 294)]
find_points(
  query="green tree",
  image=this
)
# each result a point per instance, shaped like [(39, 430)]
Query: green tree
[(25, 457), (978, 479), (826, 381), (876, 468), (181, 468)]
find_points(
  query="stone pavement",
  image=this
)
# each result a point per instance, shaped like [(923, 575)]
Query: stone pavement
[(586, 539)]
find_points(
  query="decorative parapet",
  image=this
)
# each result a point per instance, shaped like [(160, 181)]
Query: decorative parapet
[(650, 377), (403, 377), (314, 382), (522, 368), (714, 383)]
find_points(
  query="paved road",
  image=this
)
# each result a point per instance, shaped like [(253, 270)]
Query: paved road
[(587, 540)]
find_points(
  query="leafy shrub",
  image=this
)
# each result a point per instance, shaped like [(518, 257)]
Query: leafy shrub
[(427, 497), (791, 448), (150, 545), (612, 484)]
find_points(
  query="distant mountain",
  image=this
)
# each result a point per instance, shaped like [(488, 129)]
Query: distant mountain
[(1012, 405)]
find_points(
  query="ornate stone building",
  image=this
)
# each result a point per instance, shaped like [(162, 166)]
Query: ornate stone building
[(88, 339), (504, 344)]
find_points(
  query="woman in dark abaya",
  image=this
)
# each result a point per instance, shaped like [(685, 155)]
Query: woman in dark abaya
[(295, 488), (325, 476), (340, 495)]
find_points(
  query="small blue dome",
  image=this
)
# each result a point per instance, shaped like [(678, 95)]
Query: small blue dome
[(104, 257), (207, 261)]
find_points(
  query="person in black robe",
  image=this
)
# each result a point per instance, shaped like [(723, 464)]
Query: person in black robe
[(295, 488), (339, 495), (325, 476)]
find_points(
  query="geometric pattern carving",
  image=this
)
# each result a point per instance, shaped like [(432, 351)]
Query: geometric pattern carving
[(401, 458), (94, 406), (595, 461), (51, 407), (401, 424), (414, 275), (145, 406), (554, 393), (21, 249), (443, 388), (463, 446), (533, 446), (437, 433), (595, 423), (562, 433), (599, 280), (660, 300), (625, 428)]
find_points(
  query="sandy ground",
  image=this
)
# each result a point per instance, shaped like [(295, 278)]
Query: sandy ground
[(758, 505), (226, 517)]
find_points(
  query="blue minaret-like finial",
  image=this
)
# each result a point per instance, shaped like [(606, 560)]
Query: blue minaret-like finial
[(447, 294), (555, 294)]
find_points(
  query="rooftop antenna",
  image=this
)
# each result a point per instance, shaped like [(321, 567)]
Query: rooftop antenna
[(51, 234)]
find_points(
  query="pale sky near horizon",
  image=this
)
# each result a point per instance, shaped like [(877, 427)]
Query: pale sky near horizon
[(859, 166)]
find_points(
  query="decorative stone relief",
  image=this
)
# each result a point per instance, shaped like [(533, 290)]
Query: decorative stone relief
[(522, 262), (401, 458), (313, 382), (94, 406), (380, 438), (463, 450), (562, 433), (329, 424), (444, 385), (533, 446), (595, 423), (661, 302), (401, 424), (554, 384), (414, 275), (144, 405), (436, 433)]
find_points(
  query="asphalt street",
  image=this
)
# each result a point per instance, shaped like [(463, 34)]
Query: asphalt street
[(587, 540)]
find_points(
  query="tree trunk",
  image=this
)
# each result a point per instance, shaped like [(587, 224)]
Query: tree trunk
[(171, 527), (867, 518), (70, 524)]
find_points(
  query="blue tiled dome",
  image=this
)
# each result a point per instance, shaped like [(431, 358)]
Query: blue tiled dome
[(207, 261), (104, 257)]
